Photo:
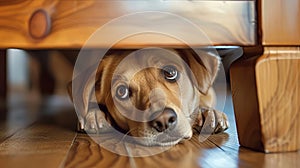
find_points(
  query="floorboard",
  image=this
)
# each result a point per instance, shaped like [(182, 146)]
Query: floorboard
[(50, 141), (87, 153), (39, 145)]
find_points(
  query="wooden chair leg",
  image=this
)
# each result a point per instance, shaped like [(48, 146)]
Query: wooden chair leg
[(266, 97)]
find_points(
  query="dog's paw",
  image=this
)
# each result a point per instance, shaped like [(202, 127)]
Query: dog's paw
[(211, 121), (95, 122)]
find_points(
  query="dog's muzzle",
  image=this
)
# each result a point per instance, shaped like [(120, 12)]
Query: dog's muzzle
[(165, 120)]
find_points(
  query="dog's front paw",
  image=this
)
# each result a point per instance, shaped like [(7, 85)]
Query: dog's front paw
[(211, 121), (95, 122)]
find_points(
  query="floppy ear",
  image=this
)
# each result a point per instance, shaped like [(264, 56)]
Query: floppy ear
[(204, 66), (83, 93)]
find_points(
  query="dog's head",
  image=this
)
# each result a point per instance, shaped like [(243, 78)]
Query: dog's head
[(152, 92)]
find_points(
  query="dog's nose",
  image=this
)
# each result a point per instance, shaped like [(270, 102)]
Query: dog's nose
[(166, 120)]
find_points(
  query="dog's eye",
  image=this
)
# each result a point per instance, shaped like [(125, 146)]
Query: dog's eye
[(122, 92), (170, 73)]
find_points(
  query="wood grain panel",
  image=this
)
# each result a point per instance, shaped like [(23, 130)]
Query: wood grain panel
[(7, 129), (72, 22), (86, 153), (40, 145), (266, 100), (278, 89), (281, 22)]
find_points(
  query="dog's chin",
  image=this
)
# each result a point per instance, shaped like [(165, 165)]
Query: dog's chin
[(155, 141), (162, 139)]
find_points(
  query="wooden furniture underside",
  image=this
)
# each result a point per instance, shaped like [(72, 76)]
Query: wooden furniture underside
[(69, 24)]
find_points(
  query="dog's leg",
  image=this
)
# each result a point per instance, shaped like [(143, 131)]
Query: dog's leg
[(95, 122), (211, 121)]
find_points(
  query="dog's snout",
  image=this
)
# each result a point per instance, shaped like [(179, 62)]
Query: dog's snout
[(166, 120)]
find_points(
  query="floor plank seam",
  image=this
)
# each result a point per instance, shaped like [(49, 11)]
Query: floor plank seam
[(15, 132), (63, 163), (218, 146), (226, 152), (131, 159)]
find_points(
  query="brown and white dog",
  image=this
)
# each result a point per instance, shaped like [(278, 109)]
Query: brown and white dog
[(154, 93)]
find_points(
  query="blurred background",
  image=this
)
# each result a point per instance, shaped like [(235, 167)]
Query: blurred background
[(36, 82)]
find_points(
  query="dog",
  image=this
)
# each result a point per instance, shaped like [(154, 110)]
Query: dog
[(160, 94)]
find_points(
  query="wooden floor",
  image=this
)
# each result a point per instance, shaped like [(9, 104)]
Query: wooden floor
[(41, 134)]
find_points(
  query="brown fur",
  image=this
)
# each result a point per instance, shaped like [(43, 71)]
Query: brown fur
[(186, 98)]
